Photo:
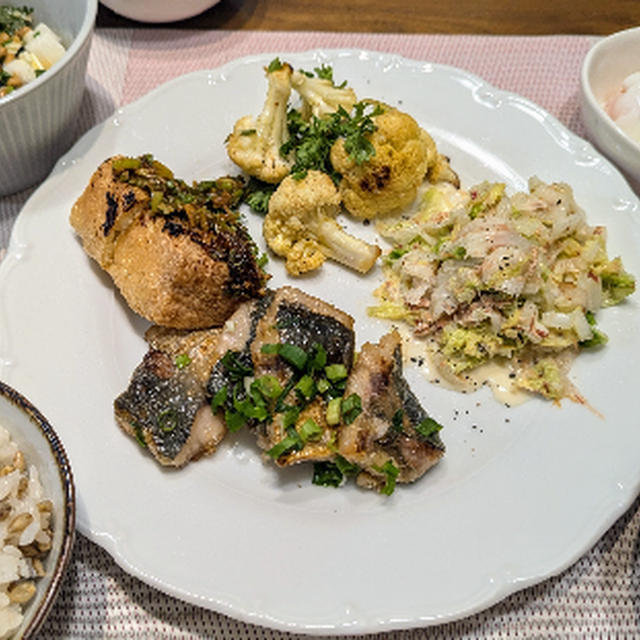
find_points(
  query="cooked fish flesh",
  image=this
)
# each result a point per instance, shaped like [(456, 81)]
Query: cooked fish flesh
[(165, 408), (392, 427), (179, 254)]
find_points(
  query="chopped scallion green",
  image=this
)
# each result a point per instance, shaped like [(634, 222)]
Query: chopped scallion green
[(351, 408), (391, 473), (290, 353), (333, 411), (167, 420), (182, 360), (306, 386), (219, 398), (335, 372), (235, 421), (309, 431), (428, 427)]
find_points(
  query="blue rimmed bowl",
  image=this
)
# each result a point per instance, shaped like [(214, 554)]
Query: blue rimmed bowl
[(42, 447)]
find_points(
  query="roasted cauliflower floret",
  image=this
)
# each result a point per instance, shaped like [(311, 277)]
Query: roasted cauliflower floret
[(301, 227), (254, 145), (320, 96), (389, 179), (441, 171)]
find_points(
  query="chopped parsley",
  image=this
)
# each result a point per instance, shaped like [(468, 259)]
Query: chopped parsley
[(257, 195), (310, 141), (274, 65), (13, 19)]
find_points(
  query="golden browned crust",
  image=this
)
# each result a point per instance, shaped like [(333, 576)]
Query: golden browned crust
[(167, 278)]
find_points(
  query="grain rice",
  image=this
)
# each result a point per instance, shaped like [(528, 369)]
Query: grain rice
[(25, 533)]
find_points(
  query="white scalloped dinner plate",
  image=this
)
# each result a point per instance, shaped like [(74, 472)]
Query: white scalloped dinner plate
[(522, 491)]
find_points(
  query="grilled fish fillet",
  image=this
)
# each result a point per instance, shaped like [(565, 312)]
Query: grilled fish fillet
[(388, 429), (179, 255), (297, 318), (165, 408), (185, 370)]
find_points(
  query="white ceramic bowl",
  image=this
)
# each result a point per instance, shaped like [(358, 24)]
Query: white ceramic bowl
[(604, 68), (158, 10), (41, 446), (37, 121)]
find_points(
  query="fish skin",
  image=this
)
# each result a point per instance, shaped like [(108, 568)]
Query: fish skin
[(304, 328), (372, 439), (165, 401)]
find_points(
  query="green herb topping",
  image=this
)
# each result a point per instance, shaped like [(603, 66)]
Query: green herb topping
[(310, 142)]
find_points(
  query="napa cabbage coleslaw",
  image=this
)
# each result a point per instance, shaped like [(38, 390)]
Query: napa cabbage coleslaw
[(517, 280)]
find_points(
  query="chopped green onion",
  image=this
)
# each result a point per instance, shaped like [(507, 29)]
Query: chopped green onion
[(323, 385), (290, 353), (306, 386), (156, 200), (268, 386), (332, 473), (333, 411), (139, 433), (182, 361), (336, 372), (234, 365), (327, 474), (428, 427), (396, 421), (124, 163), (274, 65), (235, 421), (167, 420), (293, 355), (290, 417), (219, 398), (391, 473), (348, 468), (318, 357), (250, 409), (351, 408), (309, 431), (291, 442)]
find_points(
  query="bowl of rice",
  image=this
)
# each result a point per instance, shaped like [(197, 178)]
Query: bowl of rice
[(37, 515)]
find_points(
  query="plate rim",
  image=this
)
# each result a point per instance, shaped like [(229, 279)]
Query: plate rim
[(504, 587)]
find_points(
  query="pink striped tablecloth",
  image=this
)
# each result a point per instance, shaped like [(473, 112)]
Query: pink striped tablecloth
[(598, 597)]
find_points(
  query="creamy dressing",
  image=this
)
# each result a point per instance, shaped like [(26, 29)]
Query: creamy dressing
[(497, 376)]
